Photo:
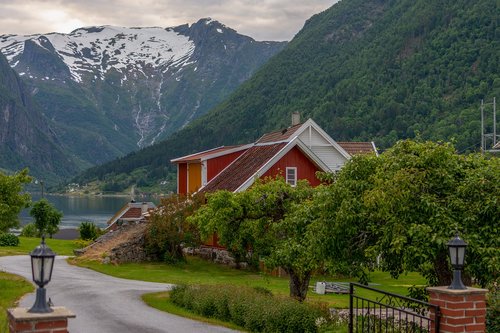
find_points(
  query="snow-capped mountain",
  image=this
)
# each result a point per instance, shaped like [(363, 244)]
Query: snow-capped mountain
[(110, 90), (98, 50)]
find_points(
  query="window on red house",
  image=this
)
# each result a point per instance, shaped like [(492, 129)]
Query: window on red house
[(291, 176)]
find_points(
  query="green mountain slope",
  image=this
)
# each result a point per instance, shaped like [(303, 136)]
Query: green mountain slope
[(364, 70)]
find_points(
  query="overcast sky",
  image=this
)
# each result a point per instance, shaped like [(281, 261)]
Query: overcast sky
[(260, 19)]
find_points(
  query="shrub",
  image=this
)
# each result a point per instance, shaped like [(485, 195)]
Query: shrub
[(168, 231), (493, 313), (8, 240), (255, 309), (80, 243), (89, 231), (30, 230)]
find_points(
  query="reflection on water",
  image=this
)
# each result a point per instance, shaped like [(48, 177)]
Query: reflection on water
[(78, 209)]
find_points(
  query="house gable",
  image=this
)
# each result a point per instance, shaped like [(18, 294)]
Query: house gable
[(295, 158), (296, 142)]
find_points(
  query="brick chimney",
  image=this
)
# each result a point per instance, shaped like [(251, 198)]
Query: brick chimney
[(295, 118)]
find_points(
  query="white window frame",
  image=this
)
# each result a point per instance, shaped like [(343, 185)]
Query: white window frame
[(291, 171)]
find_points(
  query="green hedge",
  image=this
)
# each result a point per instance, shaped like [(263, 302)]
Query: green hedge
[(256, 310)]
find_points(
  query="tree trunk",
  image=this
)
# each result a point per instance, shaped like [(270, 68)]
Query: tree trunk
[(442, 270), (298, 285)]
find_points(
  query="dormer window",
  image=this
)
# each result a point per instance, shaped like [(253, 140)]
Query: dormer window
[(291, 175)]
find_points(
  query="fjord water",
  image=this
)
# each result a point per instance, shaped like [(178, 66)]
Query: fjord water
[(78, 209)]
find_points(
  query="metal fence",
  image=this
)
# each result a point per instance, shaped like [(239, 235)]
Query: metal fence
[(375, 311)]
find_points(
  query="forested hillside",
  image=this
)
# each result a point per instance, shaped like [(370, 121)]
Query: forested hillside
[(364, 70)]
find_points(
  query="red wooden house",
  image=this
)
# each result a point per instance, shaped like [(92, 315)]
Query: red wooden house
[(296, 152)]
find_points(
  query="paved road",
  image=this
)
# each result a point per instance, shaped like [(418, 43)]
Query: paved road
[(103, 303)]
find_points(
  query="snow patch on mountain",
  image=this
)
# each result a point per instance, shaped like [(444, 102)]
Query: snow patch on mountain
[(100, 49)]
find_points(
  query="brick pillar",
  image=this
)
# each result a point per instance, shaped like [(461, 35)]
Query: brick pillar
[(22, 321), (462, 311)]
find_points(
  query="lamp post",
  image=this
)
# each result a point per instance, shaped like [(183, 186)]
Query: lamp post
[(42, 263), (457, 247)]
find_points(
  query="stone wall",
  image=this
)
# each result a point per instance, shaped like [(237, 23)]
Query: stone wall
[(219, 256), (132, 250), (125, 244)]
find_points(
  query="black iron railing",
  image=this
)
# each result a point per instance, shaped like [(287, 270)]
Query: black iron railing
[(375, 311)]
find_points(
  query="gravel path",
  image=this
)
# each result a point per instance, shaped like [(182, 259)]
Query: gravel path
[(103, 303)]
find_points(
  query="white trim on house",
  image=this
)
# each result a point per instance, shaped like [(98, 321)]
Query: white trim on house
[(312, 123), (374, 148), (200, 152), (214, 155), (227, 152), (203, 173)]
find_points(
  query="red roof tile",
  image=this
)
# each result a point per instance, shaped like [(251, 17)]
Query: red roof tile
[(243, 168), (132, 213), (281, 135), (203, 154), (353, 148)]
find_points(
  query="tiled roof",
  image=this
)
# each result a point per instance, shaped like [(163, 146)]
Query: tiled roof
[(243, 168), (281, 135), (203, 154), (132, 213), (354, 148)]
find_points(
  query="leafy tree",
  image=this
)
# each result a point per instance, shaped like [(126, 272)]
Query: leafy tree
[(406, 205), (47, 218), (168, 231), (422, 194), (12, 201), (263, 222), (227, 215)]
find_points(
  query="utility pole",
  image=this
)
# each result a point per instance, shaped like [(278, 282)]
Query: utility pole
[(482, 127), (490, 137), (494, 121), (41, 184)]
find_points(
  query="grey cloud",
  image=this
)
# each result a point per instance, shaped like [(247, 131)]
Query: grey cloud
[(260, 19)]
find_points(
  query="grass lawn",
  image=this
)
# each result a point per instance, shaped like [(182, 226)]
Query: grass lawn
[(26, 245), (12, 287), (199, 271)]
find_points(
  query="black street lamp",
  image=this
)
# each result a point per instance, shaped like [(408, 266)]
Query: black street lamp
[(42, 263), (457, 255)]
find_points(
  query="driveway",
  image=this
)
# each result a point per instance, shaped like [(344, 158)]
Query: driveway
[(103, 303)]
